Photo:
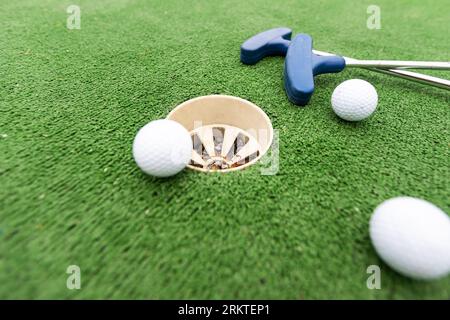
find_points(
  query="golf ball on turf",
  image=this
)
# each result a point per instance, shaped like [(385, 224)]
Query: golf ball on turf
[(162, 148), (413, 237), (354, 100)]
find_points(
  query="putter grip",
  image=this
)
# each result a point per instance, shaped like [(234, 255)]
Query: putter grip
[(300, 67)]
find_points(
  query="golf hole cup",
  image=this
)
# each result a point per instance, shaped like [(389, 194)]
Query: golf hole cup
[(228, 133)]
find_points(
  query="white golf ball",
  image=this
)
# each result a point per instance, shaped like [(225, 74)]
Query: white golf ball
[(354, 100), (413, 237), (162, 148)]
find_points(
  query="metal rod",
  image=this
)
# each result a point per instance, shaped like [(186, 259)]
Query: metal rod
[(389, 64), (413, 76)]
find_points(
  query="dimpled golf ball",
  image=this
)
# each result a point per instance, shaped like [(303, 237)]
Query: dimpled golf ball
[(354, 100), (162, 148), (413, 237)]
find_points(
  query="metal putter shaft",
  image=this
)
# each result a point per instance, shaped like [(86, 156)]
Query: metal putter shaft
[(408, 75), (390, 64)]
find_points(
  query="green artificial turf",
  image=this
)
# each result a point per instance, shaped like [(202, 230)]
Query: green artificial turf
[(71, 102)]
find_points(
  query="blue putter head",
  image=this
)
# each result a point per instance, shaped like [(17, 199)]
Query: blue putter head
[(268, 43), (300, 67)]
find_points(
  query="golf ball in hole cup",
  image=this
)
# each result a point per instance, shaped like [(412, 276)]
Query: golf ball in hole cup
[(412, 236), (162, 148), (354, 100)]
